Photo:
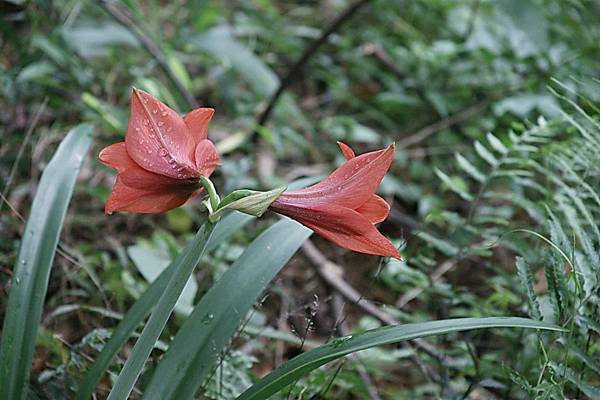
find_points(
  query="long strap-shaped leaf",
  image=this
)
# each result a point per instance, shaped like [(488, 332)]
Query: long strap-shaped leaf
[(197, 345), (306, 362), (32, 270), (142, 307), (182, 269)]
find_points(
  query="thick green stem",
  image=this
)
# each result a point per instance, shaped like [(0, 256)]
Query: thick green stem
[(212, 193)]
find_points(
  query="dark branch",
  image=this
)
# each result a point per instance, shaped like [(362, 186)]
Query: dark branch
[(295, 69), (443, 123), (124, 19)]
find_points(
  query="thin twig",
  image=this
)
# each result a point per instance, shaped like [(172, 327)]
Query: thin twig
[(443, 123), (330, 273), (384, 58), (13, 170), (472, 19), (435, 277), (62, 251), (342, 328), (124, 19), (292, 73)]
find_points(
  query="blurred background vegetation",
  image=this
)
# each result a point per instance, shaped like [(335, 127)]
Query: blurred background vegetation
[(493, 106)]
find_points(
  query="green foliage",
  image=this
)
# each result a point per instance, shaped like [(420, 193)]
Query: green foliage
[(493, 106), (295, 368), (34, 262), (548, 168)]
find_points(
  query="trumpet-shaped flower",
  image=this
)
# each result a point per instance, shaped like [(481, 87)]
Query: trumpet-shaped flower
[(343, 208), (162, 158)]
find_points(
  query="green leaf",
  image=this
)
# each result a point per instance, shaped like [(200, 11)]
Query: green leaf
[(32, 270), (144, 305), (485, 154), (151, 262), (469, 168), (527, 281), (563, 371), (496, 143), (198, 344), (219, 42), (182, 268), (299, 366)]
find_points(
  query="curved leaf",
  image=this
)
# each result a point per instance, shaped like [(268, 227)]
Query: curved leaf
[(306, 362), (197, 345), (142, 307), (182, 268), (32, 270)]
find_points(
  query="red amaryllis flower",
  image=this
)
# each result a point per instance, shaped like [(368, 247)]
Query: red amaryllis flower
[(344, 208), (162, 158)]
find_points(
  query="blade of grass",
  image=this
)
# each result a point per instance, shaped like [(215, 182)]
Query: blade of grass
[(299, 366), (194, 351), (143, 306), (183, 268), (32, 269)]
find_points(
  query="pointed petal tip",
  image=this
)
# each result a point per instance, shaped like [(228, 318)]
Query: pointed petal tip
[(346, 150)]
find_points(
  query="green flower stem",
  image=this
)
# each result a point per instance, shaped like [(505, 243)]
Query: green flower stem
[(212, 193)]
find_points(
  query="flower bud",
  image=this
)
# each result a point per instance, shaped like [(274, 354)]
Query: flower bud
[(250, 202)]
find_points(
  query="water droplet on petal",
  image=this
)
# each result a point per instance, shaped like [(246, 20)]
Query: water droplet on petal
[(160, 123), (163, 152), (164, 113)]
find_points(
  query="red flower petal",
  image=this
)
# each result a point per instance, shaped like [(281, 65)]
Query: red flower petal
[(375, 209), (132, 175), (158, 139), (126, 198), (207, 157), (197, 122), (351, 185), (347, 150), (348, 229)]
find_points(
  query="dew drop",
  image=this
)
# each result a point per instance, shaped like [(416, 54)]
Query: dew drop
[(160, 123), (137, 129), (172, 161), (164, 153), (164, 113), (207, 319), (149, 151), (155, 111)]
